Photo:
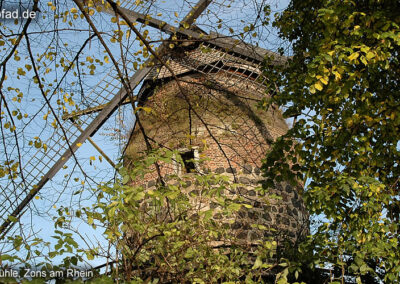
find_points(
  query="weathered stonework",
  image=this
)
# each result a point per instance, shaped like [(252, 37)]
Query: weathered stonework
[(280, 210), (216, 116)]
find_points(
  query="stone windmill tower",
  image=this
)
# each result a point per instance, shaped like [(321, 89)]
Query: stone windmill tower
[(204, 104), (203, 97)]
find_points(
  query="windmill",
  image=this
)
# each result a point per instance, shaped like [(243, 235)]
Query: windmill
[(233, 61)]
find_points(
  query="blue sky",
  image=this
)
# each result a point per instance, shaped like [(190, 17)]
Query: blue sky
[(63, 190)]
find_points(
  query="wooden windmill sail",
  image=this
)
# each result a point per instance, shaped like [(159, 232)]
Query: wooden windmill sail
[(216, 61), (42, 166)]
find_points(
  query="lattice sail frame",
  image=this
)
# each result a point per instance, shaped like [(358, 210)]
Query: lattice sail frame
[(63, 142), (108, 95), (208, 59), (41, 161)]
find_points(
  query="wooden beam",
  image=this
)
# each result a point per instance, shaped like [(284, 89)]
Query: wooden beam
[(108, 159), (91, 129), (90, 110), (195, 12), (227, 43)]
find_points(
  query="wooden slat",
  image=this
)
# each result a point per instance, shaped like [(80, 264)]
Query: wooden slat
[(91, 129), (221, 41), (90, 110)]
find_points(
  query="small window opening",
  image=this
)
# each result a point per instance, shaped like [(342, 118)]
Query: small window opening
[(188, 161)]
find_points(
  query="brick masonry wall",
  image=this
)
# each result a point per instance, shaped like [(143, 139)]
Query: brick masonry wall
[(219, 118)]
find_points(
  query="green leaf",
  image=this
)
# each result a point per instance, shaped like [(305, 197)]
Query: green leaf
[(12, 219)]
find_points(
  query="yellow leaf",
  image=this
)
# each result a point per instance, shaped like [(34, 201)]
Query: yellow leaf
[(370, 55), (176, 14), (324, 80), (147, 109), (354, 56), (92, 158), (37, 197), (364, 60), (349, 122), (337, 75), (79, 144), (20, 71), (74, 10), (318, 86)]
